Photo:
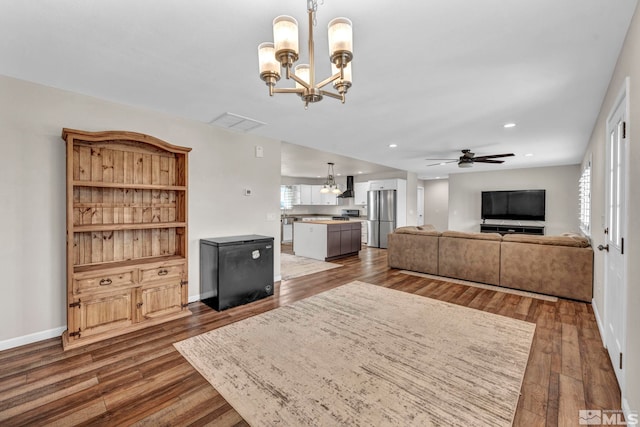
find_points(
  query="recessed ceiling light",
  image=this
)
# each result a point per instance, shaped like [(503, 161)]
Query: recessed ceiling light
[(359, 171), (393, 145), (509, 125), (442, 164), (437, 177), (338, 174), (529, 155)]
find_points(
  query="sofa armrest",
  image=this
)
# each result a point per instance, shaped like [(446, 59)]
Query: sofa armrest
[(563, 271)]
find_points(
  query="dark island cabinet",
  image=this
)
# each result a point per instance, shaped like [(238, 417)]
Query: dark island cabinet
[(343, 239)]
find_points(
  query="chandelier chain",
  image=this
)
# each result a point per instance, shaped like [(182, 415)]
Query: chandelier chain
[(312, 6)]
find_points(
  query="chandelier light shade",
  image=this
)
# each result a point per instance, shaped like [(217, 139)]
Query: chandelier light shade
[(302, 72), (340, 41), (285, 38), (330, 185), (269, 66), (284, 52)]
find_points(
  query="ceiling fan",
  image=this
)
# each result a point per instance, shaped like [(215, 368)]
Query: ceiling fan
[(468, 159)]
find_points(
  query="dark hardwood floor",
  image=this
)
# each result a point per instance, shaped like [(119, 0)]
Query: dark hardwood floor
[(141, 379)]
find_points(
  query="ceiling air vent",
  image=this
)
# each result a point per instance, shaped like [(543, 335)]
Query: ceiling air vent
[(236, 122)]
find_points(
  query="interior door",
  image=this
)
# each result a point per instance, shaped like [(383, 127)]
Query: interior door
[(616, 219)]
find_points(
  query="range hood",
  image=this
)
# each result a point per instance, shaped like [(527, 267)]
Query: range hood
[(349, 191)]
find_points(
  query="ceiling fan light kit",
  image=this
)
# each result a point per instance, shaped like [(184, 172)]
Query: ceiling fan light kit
[(284, 52)]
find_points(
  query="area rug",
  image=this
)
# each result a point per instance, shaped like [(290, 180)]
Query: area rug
[(482, 286), (365, 355), (296, 266)]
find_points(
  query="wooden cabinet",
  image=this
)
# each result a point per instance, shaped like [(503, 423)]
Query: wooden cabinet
[(126, 234), (343, 239)]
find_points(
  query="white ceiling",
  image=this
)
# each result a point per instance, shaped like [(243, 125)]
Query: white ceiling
[(433, 76)]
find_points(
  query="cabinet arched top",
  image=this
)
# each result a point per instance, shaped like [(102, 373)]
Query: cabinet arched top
[(118, 135)]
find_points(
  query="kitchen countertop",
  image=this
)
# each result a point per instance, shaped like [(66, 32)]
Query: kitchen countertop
[(325, 222)]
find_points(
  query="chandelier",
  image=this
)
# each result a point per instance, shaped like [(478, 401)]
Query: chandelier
[(330, 185), (283, 53)]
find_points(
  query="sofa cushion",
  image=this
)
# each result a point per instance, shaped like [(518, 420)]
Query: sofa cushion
[(573, 240), (475, 259), (475, 236), (413, 251), (425, 230)]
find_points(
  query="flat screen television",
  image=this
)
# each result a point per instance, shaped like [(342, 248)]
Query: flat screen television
[(514, 205)]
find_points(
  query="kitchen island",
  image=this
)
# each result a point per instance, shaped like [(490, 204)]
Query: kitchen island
[(326, 240)]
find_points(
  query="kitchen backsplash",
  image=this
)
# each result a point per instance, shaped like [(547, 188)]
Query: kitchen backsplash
[(323, 210)]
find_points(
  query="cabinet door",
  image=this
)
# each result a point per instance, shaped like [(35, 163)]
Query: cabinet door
[(360, 196), (356, 236), (328, 199), (316, 195), (384, 184), (159, 300), (333, 240), (305, 194), (345, 241), (104, 313)]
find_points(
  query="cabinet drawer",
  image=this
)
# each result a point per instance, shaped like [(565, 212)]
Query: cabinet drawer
[(103, 281), (161, 273)]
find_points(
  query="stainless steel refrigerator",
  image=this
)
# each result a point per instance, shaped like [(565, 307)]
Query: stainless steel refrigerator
[(381, 216)]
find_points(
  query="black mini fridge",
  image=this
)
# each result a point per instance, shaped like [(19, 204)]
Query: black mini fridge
[(235, 270)]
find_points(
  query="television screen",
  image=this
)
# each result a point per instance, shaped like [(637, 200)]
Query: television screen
[(515, 205)]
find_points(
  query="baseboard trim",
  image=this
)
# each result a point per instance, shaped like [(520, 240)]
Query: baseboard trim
[(629, 415), (31, 338), (596, 312), (57, 332)]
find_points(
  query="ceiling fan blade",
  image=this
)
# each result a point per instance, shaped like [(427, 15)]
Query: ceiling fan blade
[(481, 160), (436, 164), (493, 156)]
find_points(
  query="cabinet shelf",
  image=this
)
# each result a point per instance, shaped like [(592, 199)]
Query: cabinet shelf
[(138, 262), (101, 184), (512, 229), (136, 226)]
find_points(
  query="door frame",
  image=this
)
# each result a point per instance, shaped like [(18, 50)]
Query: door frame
[(623, 97)]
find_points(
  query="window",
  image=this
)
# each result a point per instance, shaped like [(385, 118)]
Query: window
[(584, 187), (286, 197)]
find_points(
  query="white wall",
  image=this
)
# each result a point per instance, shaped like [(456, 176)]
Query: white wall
[(560, 183), (436, 203), (628, 66), (32, 184), (412, 198)]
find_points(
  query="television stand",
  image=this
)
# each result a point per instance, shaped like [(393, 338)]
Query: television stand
[(512, 228)]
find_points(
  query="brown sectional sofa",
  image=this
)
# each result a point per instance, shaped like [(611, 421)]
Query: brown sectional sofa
[(470, 256), (554, 265)]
